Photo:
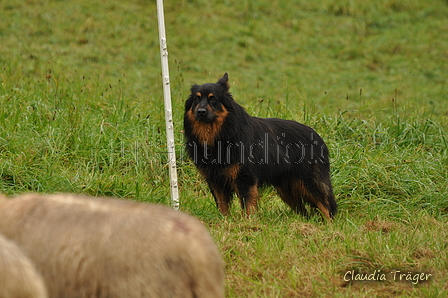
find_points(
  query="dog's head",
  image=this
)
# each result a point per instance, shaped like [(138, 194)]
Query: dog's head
[(207, 102)]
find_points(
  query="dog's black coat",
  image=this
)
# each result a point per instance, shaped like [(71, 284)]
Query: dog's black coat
[(236, 152)]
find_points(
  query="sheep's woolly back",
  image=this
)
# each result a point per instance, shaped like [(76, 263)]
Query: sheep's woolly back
[(98, 247), (18, 276)]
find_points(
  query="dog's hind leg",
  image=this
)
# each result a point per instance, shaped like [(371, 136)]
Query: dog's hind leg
[(316, 194), (327, 195), (292, 199)]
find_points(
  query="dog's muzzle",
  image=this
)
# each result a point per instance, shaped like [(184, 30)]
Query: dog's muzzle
[(203, 115)]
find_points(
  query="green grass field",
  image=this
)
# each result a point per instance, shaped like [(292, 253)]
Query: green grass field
[(81, 110)]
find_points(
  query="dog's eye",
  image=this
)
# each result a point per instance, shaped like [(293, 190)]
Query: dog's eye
[(197, 99), (212, 98)]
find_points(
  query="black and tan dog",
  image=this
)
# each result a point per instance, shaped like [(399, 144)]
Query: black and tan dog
[(236, 152)]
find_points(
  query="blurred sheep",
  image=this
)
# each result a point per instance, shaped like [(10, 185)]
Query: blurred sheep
[(101, 247), (18, 276)]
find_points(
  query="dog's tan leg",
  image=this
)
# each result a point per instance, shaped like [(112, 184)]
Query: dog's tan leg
[(300, 189), (249, 199), (292, 199), (222, 199)]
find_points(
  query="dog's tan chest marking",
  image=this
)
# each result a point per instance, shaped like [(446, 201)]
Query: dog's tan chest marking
[(207, 132)]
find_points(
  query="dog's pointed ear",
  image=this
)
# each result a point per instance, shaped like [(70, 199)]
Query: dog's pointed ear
[(224, 81), (189, 101), (194, 88)]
